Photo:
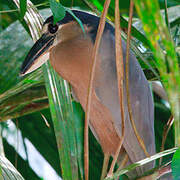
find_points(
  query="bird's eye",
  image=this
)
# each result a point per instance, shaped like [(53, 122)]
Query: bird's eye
[(52, 28)]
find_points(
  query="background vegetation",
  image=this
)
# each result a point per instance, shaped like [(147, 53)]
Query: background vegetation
[(29, 115)]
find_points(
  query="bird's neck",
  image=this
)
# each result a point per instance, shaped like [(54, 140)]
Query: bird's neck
[(72, 60)]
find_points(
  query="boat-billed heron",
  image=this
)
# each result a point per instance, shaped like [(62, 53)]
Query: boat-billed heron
[(69, 50)]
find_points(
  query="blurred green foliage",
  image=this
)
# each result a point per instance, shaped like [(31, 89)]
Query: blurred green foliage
[(17, 104)]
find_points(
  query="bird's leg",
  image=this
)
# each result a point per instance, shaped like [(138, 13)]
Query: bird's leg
[(123, 163), (110, 173), (105, 165)]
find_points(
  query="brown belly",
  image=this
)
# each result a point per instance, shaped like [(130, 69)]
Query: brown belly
[(102, 123)]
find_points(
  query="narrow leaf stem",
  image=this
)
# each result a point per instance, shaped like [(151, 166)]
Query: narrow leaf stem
[(140, 140), (90, 88), (120, 77)]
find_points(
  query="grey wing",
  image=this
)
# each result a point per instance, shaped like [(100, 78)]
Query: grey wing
[(140, 95)]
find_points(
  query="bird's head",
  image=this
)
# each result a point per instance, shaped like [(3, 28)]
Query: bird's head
[(52, 34)]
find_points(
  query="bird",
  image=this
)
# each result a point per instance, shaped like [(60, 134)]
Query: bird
[(69, 49)]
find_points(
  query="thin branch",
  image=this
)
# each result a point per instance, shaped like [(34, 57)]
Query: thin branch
[(45, 120), (140, 140), (92, 73), (123, 163), (165, 133), (105, 165), (120, 77), (164, 170)]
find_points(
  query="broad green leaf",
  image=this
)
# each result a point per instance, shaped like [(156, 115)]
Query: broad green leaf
[(79, 131), (63, 121), (57, 9), (176, 165), (23, 7)]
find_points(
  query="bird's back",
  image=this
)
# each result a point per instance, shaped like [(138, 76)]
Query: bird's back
[(140, 96)]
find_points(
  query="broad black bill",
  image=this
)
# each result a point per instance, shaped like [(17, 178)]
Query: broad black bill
[(38, 50)]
